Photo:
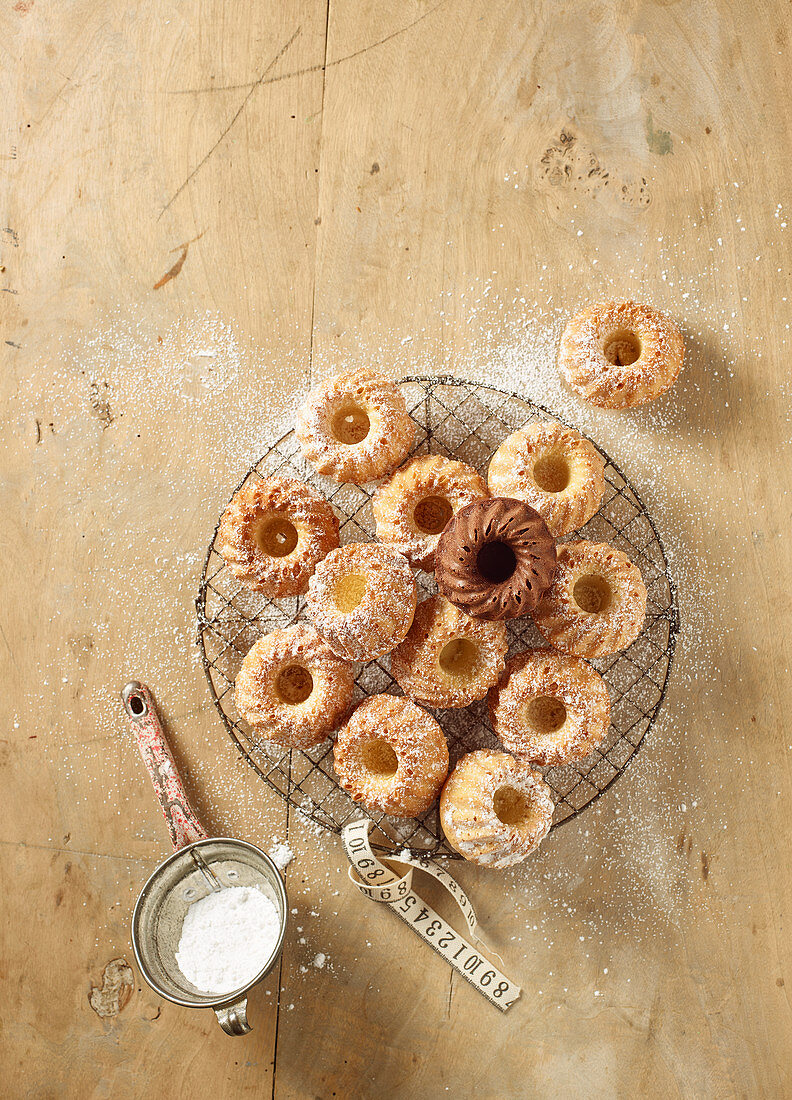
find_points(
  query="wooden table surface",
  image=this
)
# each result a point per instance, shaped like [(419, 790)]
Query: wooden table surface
[(205, 206)]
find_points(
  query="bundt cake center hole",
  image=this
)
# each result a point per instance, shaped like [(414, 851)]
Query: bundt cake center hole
[(545, 714), (276, 536), (379, 758), (551, 473), (349, 592), (592, 594), (511, 806), (432, 514), (351, 425), (496, 562), (294, 685), (622, 348), (459, 658)]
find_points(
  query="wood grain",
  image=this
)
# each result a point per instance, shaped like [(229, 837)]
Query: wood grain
[(429, 186)]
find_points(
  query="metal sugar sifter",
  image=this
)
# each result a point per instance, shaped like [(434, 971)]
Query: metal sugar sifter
[(199, 865)]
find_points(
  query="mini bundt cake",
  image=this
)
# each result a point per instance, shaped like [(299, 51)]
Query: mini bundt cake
[(494, 809), (552, 468), (596, 604), (495, 558), (620, 354), (549, 707), (362, 600), (273, 533), (447, 658), (355, 427), (391, 756), (413, 507), (292, 688)]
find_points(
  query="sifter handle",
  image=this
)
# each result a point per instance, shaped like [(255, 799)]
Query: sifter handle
[(182, 823)]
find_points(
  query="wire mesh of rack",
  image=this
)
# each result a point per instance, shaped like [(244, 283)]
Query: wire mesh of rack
[(466, 421)]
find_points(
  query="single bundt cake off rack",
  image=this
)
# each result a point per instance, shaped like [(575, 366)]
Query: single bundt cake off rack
[(355, 427), (273, 533), (362, 600), (447, 658), (620, 354), (552, 468), (495, 559), (391, 756), (415, 504), (495, 809), (293, 689), (549, 707), (596, 604)]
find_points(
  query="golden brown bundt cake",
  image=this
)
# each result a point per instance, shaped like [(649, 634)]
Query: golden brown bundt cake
[(552, 468), (549, 707), (620, 354), (494, 809), (447, 658), (415, 504), (273, 533), (596, 604), (355, 427), (293, 689), (391, 756), (362, 600)]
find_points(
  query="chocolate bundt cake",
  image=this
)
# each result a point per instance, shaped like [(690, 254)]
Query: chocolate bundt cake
[(495, 558)]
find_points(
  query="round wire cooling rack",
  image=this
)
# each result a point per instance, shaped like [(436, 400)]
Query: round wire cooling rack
[(466, 421)]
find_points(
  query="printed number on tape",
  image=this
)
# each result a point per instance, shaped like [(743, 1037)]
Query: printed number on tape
[(380, 883)]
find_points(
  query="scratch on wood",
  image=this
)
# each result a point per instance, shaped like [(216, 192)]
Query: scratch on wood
[(67, 82), (115, 991), (172, 272), (705, 865), (231, 124), (11, 344), (40, 425), (314, 68), (8, 646)]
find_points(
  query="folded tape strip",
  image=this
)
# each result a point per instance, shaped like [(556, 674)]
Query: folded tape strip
[(380, 883)]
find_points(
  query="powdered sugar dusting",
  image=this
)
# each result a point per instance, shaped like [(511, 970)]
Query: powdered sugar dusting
[(280, 853)]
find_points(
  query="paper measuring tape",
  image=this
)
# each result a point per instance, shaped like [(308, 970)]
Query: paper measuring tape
[(382, 884)]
